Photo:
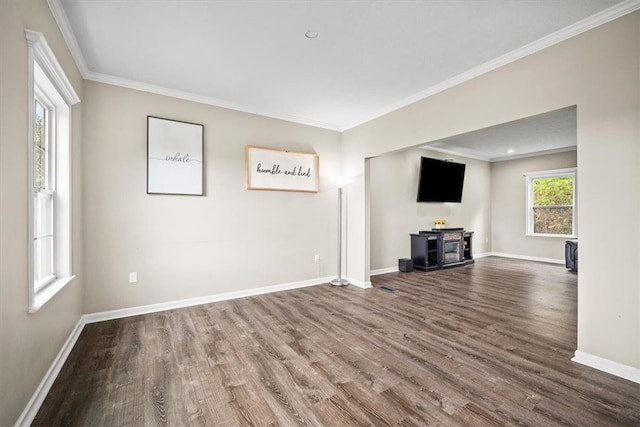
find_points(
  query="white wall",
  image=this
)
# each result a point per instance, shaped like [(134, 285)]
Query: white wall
[(508, 207), (183, 247), (597, 71), (30, 342), (395, 213)]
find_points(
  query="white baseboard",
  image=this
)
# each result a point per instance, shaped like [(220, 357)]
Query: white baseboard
[(482, 255), (384, 271), (609, 366), (32, 408), (396, 269), (360, 283), (171, 305), (523, 257)]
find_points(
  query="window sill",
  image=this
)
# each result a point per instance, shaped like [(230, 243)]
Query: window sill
[(48, 292), (557, 236)]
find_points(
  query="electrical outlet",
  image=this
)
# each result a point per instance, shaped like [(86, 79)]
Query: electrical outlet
[(317, 258), (133, 277)]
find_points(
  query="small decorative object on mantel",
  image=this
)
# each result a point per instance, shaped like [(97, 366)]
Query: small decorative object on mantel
[(439, 223), (175, 156), (269, 169)]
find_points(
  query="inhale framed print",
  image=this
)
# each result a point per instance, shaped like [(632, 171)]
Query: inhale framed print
[(175, 152), (269, 169)]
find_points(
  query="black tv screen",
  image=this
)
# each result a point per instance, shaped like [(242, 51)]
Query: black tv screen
[(440, 181)]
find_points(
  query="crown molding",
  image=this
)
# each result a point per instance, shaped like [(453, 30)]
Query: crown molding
[(68, 35), (70, 39), (455, 152), (188, 96), (535, 154), (566, 33), (587, 24)]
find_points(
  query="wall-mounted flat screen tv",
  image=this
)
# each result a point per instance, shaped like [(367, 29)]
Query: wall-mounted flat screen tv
[(440, 181)]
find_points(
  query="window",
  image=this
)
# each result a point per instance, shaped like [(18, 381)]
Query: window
[(551, 203), (44, 195), (50, 98)]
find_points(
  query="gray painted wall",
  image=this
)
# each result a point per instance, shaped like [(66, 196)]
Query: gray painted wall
[(493, 206), (231, 239), (30, 342), (395, 213), (508, 207)]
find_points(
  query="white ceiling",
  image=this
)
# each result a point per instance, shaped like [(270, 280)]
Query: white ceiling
[(369, 57), (547, 133)]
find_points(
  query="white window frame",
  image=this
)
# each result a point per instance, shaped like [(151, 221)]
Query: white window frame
[(554, 173), (49, 84), (47, 193)]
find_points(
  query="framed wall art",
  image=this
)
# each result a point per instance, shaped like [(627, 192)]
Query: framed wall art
[(270, 169), (175, 157)]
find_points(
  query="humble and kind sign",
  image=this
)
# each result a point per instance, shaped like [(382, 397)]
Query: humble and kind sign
[(275, 170), (269, 169)]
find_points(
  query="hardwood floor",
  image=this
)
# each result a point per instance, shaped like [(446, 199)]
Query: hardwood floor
[(485, 344)]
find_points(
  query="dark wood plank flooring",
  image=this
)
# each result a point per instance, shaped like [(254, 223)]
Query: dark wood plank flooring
[(484, 344)]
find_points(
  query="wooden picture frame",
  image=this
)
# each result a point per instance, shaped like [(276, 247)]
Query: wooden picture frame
[(175, 157), (271, 169)]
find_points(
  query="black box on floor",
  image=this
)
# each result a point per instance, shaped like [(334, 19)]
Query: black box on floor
[(571, 254), (405, 265)]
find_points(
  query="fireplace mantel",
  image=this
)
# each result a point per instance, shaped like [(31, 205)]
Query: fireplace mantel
[(441, 248)]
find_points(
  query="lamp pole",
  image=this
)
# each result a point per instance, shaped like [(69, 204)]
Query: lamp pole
[(339, 281)]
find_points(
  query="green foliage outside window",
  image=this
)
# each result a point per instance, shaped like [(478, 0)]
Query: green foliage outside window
[(39, 147), (553, 205)]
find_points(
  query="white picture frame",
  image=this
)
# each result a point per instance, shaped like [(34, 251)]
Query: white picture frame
[(175, 157)]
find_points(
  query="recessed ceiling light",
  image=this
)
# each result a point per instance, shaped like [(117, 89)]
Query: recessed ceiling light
[(311, 34), (511, 150)]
